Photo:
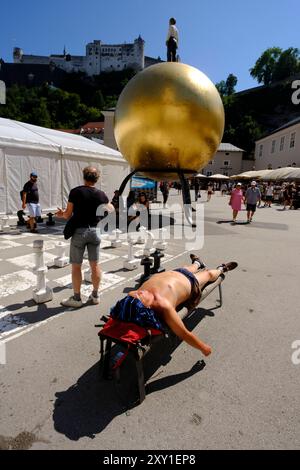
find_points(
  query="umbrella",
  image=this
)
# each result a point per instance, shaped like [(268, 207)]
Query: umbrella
[(288, 173), (255, 174), (219, 177), (199, 175)]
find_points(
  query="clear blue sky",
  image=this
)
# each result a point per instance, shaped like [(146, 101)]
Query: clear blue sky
[(217, 36)]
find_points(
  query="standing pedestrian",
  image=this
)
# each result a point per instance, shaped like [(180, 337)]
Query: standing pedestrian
[(210, 190), (30, 200), (235, 201), (172, 41), (164, 187), (252, 196), (82, 206), (269, 195)]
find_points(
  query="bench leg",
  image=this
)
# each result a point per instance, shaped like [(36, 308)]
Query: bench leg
[(141, 379), (107, 359), (221, 295)]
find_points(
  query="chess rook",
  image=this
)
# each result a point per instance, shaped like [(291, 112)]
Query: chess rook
[(61, 260), (157, 255)]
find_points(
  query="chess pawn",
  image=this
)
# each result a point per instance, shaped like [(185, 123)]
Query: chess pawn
[(161, 244), (116, 242), (130, 262), (42, 293)]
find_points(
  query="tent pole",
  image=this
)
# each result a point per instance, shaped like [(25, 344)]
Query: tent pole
[(61, 149)]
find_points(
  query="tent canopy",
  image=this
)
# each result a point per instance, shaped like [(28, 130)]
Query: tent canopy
[(288, 173), (58, 158), (252, 174), (218, 176)]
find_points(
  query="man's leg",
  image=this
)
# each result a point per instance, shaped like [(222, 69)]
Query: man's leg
[(77, 247), (96, 274), (76, 279)]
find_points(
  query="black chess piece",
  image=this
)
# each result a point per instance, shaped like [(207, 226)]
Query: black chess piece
[(39, 220), (157, 256), (147, 263), (21, 220), (50, 220)]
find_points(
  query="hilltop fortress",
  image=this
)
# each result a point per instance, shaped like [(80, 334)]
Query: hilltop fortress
[(98, 58)]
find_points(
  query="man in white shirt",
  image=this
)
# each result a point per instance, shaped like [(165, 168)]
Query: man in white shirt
[(172, 41)]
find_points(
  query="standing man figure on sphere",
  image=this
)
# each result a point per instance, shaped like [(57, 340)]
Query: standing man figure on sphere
[(172, 41), (82, 206)]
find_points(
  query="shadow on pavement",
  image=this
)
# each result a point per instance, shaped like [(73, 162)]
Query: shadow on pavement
[(87, 407)]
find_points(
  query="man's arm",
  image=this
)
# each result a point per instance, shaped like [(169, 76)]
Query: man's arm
[(174, 322), (24, 196), (65, 214)]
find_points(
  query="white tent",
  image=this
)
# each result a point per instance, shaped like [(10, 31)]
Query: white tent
[(57, 157)]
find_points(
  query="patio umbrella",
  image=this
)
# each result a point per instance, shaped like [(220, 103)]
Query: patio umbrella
[(288, 173), (254, 174), (200, 175), (219, 177)]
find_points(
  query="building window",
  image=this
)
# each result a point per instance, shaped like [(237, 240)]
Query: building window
[(273, 146), (226, 162), (208, 173), (225, 173), (211, 162), (227, 153), (260, 150), (293, 139), (281, 143)]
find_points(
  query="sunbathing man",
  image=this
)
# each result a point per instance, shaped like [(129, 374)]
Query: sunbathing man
[(158, 298)]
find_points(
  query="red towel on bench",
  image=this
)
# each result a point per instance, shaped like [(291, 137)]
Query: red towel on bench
[(127, 332)]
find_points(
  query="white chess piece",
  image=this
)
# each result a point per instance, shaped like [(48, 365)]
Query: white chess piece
[(6, 226), (61, 260), (148, 250), (42, 293), (116, 242), (130, 262), (161, 244), (141, 239)]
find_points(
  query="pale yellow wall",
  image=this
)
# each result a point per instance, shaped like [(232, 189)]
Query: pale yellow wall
[(217, 166), (282, 158)]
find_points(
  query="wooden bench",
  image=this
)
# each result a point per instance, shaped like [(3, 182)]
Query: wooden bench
[(139, 350)]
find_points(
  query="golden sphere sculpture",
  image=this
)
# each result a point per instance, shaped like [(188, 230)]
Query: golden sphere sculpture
[(169, 117)]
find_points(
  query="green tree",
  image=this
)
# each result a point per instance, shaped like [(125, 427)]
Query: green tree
[(227, 88), (288, 64), (264, 67), (276, 64)]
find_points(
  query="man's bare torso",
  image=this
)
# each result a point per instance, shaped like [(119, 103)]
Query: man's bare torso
[(171, 286)]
